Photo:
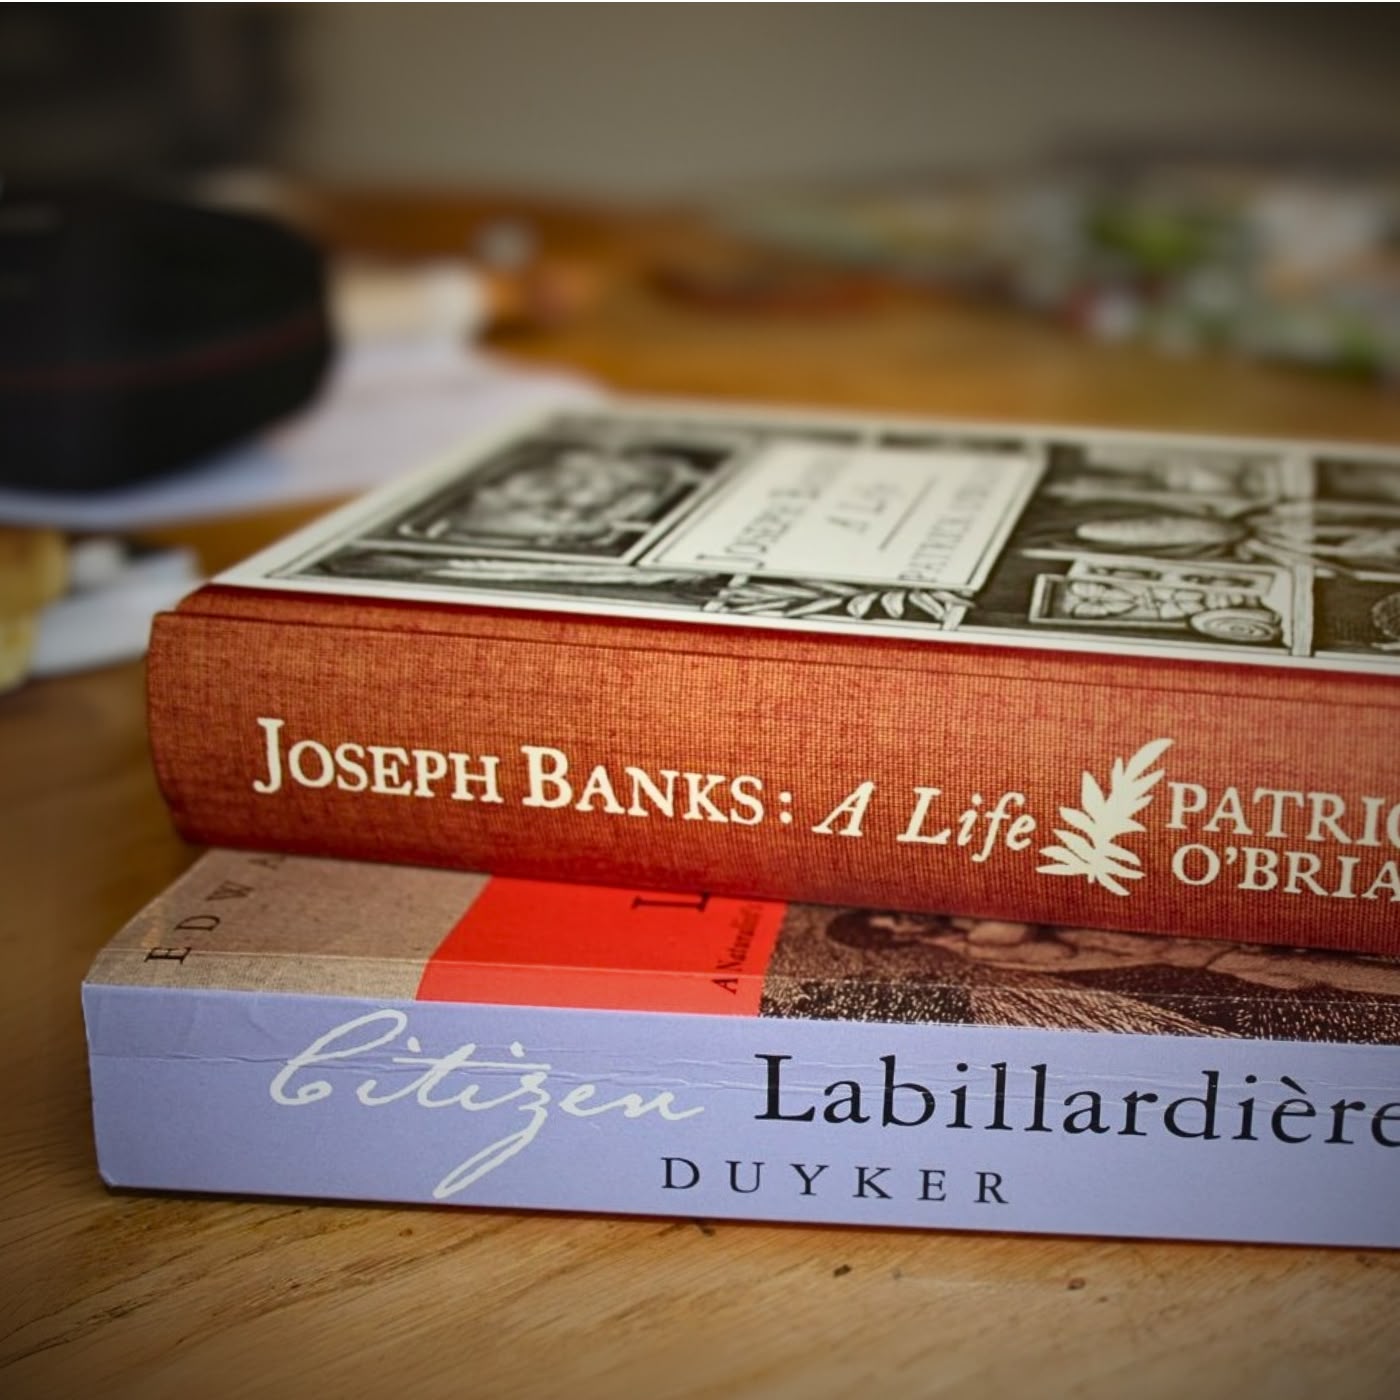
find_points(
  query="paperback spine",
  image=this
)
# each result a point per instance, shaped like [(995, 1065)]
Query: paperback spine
[(1159, 797), (734, 1117)]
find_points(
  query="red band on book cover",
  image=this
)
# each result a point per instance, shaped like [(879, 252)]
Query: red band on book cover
[(529, 943)]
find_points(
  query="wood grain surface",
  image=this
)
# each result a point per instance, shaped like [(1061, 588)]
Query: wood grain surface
[(124, 1295)]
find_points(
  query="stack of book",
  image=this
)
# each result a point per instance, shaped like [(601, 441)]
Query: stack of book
[(966, 826)]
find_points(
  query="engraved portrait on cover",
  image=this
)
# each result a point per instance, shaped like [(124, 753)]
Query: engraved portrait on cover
[(864, 964)]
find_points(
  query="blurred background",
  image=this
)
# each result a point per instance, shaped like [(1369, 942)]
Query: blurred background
[(668, 101), (1184, 175)]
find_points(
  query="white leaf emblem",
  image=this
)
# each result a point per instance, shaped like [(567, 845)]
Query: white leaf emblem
[(1092, 850)]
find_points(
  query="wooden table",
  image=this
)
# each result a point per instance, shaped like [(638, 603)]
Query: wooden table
[(143, 1296)]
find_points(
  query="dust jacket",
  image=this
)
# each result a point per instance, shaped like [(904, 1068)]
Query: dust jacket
[(276, 1025), (1122, 680)]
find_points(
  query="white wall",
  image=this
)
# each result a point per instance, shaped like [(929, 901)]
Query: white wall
[(651, 100)]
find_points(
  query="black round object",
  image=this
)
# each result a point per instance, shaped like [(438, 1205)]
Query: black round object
[(139, 335)]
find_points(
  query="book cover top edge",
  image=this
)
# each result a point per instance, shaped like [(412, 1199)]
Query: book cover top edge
[(1083, 541), (243, 921)]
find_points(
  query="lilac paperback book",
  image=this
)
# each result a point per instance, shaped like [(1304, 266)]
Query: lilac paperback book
[(283, 1026)]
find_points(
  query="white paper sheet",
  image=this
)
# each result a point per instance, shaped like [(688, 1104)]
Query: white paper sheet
[(386, 407)]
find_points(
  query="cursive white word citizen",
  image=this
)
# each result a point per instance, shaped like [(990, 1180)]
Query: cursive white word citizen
[(438, 1085)]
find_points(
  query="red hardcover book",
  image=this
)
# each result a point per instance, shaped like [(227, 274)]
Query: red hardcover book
[(1056, 675)]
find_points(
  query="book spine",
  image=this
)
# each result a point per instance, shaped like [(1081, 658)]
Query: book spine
[(1108, 797), (722, 1117)]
